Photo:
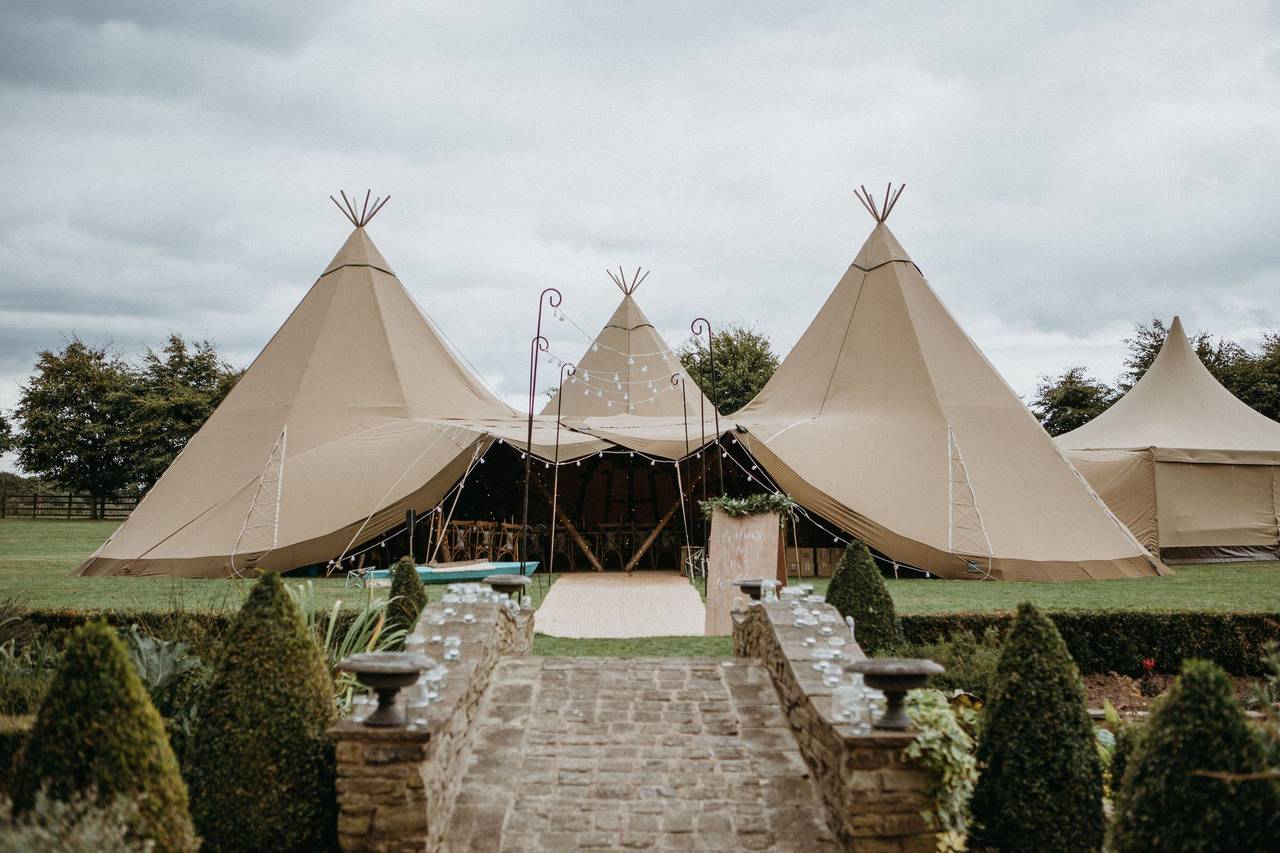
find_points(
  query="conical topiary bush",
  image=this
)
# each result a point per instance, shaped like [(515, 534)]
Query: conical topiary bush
[(97, 732), (260, 765), (409, 596), (857, 589), (1040, 778), (1164, 802)]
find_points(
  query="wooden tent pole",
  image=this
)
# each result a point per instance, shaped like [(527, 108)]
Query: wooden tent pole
[(573, 531), (653, 535)]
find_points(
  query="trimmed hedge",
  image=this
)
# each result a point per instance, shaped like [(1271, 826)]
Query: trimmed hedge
[(13, 735), (1040, 778), (1166, 803), (1118, 640), (858, 589), (409, 596), (98, 732), (260, 763)]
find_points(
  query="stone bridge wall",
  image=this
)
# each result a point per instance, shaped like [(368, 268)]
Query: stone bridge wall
[(875, 795), (397, 786)]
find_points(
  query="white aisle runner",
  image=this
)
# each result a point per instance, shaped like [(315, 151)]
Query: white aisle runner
[(615, 605)]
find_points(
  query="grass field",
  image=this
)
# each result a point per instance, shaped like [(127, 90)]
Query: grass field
[(37, 555)]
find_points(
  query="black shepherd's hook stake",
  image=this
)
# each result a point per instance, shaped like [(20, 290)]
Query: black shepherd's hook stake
[(537, 344), (715, 402), (566, 369)]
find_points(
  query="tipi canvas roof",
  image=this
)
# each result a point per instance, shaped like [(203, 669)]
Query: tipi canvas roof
[(887, 420), (342, 421), (1183, 414)]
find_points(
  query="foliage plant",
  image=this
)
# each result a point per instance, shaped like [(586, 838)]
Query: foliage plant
[(1040, 777), (260, 765), (970, 661), (97, 730), (744, 362), (1071, 400), (408, 596), (857, 589), (82, 824), (341, 633), (943, 746), (1198, 778), (172, 675), (765, 503)]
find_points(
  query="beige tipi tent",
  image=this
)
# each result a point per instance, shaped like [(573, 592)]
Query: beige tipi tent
[(630, 389), (888, 421), (341, 423), (1193, 471)]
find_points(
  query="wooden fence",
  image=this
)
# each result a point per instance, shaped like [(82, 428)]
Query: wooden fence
[(32, 505)]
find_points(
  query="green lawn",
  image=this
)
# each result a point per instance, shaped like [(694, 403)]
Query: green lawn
[(37, 555)]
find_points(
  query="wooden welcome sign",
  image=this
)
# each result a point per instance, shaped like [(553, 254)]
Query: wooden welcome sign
[(749, 546)]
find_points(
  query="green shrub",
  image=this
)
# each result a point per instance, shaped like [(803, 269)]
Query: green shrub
[(13, 736), (82, 825), (260, 765), (1040, 782), (1128, 736), (408, 596), (98, 731), (1165, 801), (857, 589), (1119, 640), (970, 662)]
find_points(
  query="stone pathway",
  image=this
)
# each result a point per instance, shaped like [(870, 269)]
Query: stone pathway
[(658, 754), (613, 604)]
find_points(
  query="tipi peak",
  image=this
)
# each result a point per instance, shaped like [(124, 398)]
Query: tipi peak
[(627, 287), (359, 217), (879, 210)]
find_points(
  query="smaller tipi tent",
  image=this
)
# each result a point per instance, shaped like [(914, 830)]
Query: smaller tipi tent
[(1193, 471)]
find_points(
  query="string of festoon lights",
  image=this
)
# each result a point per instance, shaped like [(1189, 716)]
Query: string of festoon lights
[(754, 474)]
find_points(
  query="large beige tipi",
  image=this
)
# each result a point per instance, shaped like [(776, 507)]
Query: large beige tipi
[(323, 439), (887, 420), (1193, 471)]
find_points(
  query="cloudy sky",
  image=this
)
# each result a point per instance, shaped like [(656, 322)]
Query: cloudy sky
[(1071, 169)]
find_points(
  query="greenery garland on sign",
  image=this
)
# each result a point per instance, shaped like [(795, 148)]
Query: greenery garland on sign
[(769, 503)]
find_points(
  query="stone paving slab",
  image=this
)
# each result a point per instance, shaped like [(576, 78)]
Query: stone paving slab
[(594, 605), (647, 754)]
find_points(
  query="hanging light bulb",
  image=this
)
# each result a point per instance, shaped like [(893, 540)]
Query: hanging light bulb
[(586, 375), (599, 393), (615, 377), (595, 348), (626, 396), (611, 404), (586, 392), (644, 369)]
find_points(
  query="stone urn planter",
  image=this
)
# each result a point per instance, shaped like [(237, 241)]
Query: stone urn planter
[(895, 676), (386, 674)]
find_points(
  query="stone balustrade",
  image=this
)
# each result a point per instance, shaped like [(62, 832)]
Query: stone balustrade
[(874, 793), (396, 786)]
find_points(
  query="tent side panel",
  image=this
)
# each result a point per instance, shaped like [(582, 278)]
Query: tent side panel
[(1215, 512), (1126, 482)]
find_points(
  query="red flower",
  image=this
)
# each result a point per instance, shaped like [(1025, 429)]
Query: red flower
[(1149, 664)]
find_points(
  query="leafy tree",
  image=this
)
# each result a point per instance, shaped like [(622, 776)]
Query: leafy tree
[(1071, 400), (172, 395), (6, 434), (408, 594), (1166, 800), (1257, 382), (1040, 782), (97, 732), (858, 589), (73, 412), (744, 361), (260, 765)]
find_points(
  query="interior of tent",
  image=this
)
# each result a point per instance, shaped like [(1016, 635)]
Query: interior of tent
[(1193, 471)]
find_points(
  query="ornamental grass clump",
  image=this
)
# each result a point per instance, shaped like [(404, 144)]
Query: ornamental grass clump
[(1186, 786), (97, 734), (857, 589), (408, 596), (1040, 777), (260, 765)]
